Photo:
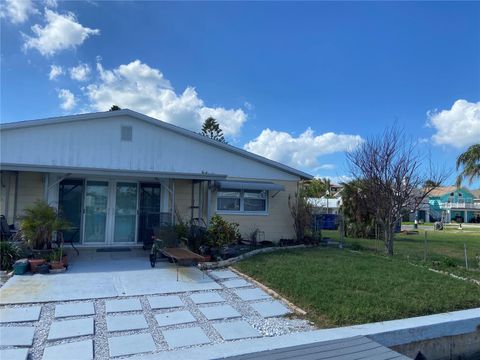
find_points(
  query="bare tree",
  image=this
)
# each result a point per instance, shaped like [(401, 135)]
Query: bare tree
[(393, 173)]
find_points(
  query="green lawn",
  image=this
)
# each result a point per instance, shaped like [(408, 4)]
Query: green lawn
[(340, 287), (444, 248)]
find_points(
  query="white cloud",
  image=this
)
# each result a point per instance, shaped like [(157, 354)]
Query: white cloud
[(67, 98), (302, 151), (459, 126), (142, 88), (326, 167), (80, 72), (61, 31), (55, 71), (17, 11), (51, 3)]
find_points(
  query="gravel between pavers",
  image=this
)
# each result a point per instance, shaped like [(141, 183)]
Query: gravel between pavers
[(274, 326)]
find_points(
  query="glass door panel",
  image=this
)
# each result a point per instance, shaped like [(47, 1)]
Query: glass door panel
[(149, 218), (96, 201), (70, 205), (125, 212)]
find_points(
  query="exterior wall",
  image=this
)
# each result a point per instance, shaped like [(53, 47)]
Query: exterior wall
[(30, 189), (96, 143), (277, 224)]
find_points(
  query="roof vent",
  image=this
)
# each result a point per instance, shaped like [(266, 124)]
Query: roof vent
[(126, 134)]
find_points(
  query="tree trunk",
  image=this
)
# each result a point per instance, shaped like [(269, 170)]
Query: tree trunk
[(389, 230)]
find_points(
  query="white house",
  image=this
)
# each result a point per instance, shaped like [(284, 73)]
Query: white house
[(117, 175)]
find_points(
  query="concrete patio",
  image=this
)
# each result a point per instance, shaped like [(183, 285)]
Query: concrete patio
[(105, 274)]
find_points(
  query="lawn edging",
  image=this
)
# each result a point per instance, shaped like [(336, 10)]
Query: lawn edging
[(224, 263), (270, 292)]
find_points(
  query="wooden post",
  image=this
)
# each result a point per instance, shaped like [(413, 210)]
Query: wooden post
[(425, 250), (465, 252)]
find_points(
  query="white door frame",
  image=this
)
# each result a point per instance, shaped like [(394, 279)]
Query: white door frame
[(110, 213)]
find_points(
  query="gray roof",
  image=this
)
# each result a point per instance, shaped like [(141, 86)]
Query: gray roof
[(161, 124)]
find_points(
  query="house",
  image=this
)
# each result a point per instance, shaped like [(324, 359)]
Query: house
[(118, 175), (449, 203), (330, 203)]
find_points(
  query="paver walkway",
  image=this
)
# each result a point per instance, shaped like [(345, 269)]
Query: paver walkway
[(147, 324)]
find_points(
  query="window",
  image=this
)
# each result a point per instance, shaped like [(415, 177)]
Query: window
[(247, 201)]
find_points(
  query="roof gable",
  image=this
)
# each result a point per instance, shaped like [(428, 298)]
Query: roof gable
[(201, 141)]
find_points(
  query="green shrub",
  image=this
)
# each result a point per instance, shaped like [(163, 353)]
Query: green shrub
[(221, 232), (9, 253), (449, 262), (39, 224)]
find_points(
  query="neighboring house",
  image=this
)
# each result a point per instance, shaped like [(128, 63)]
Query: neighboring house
[(117, 175), (328, 204), (449, 203)]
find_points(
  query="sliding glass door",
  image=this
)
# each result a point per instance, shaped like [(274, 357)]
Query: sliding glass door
[(125, 222), (96, 212)]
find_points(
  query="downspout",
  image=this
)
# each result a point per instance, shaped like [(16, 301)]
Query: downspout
[(45, 187), (173, 202)]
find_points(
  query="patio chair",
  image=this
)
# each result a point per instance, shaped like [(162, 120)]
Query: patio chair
[(169, 245), (6, 231)]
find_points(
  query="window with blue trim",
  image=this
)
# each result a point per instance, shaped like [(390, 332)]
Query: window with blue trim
[(247, 201)]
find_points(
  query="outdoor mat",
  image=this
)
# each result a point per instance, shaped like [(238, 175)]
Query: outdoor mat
[(115, 249)]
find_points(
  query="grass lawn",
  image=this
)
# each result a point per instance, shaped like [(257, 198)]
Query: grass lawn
[(340, 287), (446, 248)]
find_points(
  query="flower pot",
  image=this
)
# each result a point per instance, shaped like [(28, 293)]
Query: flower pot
[(20, 267), (55, 265), (35, 263)]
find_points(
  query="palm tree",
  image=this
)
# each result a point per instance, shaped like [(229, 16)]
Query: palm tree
[(470, 162)]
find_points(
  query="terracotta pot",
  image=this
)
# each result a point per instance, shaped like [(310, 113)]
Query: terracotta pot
[(34, 263), (56, 265)]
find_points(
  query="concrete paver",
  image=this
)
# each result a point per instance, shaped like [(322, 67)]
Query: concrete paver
[(70, 328), (236, 330), (123, 305), (219, 312), (14, 354), (79, 350), (126, 322), (252, 294), (74, 309), (165, 302), (20, 314), (236, 283), (17, 336), (206, 298), (185, 337), (130, 344), (224, 274), (174, 318), (270, 308)]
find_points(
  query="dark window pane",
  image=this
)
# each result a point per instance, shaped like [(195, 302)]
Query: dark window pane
[(229, 204), (254, 204)]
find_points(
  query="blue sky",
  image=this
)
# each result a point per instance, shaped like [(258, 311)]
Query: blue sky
[(297, 82)]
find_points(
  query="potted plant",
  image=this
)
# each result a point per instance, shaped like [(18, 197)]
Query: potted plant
[(39, 224)]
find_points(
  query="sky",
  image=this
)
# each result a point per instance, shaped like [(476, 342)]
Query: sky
[(299, 83)]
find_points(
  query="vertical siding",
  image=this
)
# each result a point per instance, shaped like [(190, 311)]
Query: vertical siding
[(30, 189), (183, 198)]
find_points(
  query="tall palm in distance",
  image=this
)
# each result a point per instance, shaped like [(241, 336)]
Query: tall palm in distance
[(469, 161)]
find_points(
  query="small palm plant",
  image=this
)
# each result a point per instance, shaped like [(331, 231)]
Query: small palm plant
[(39, 224)]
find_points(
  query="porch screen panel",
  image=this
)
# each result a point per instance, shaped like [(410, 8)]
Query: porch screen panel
[(96, 200), (70, 204), (125, 212)]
